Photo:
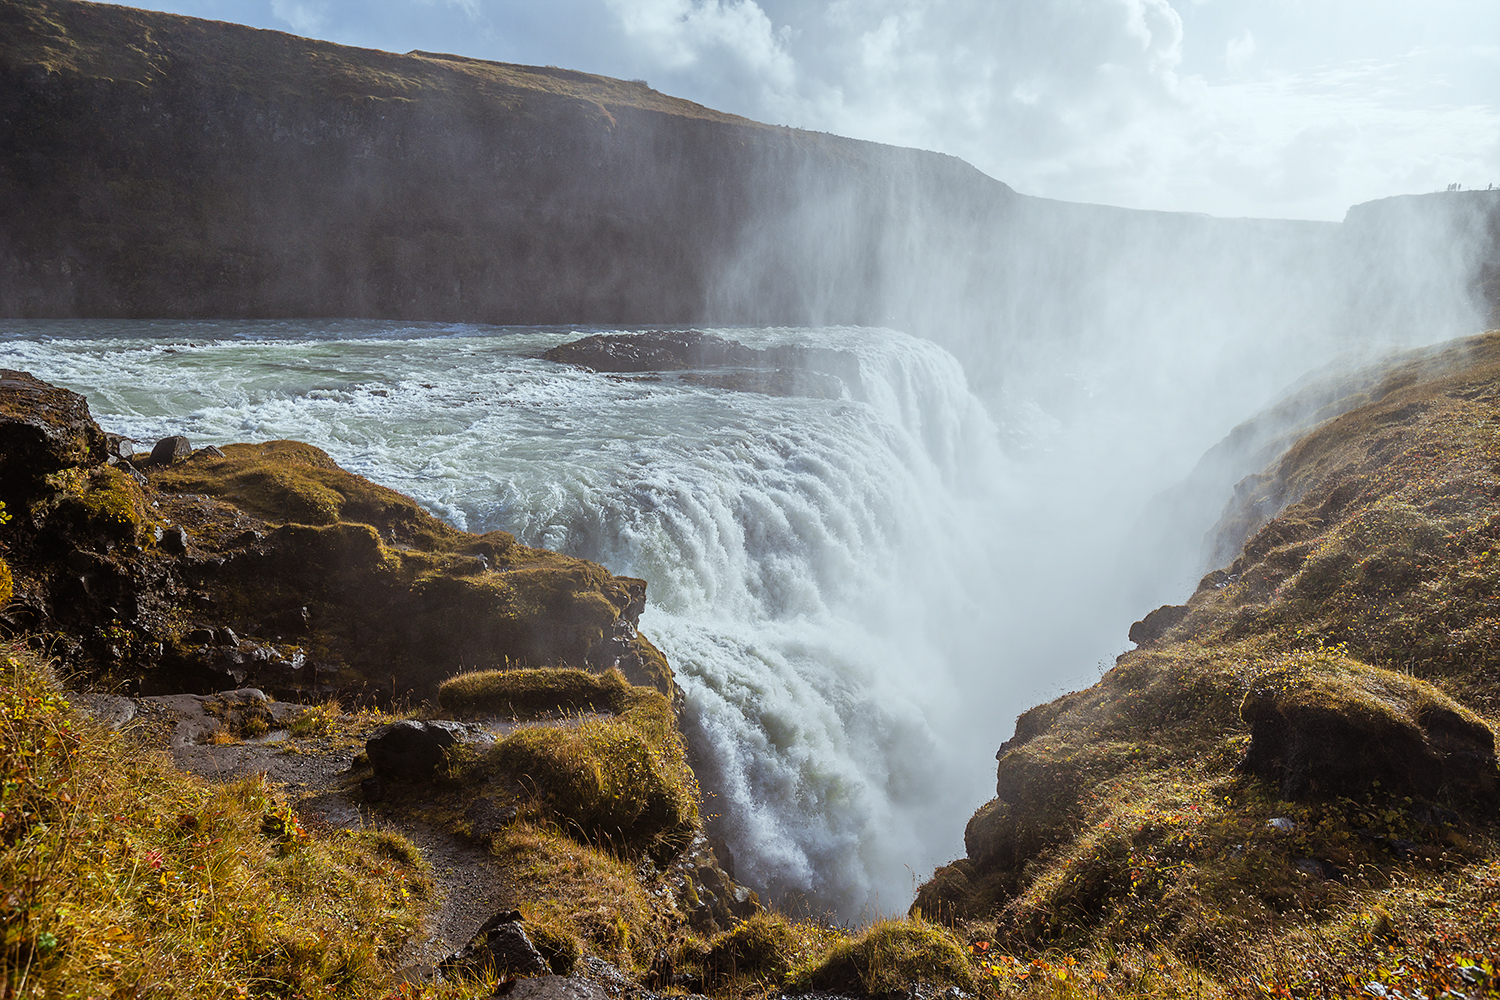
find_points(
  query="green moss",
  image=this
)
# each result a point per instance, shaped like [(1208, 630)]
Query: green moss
[(605, 781), (890, 957), (7, 583), (531, 692), (291, 482), (765, 948)]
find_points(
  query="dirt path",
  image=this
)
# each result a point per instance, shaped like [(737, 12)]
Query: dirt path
[(471, 885)]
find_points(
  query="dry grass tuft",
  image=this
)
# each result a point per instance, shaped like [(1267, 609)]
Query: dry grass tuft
[(120, 875)]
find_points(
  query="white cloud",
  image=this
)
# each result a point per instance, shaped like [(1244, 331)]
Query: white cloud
[(306, 17), (683, 34), (1238, 52)]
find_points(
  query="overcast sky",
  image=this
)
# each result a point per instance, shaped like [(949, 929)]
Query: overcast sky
[(1265, 108)]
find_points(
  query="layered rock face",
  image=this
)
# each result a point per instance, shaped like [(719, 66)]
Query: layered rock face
[(267, 564)]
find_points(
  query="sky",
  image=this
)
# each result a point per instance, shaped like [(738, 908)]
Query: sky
[(1271, 108)]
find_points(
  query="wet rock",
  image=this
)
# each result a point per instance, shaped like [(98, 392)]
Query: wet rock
[(500, 947), (552, 988), (171, 449), (412, 751), (1157, 624), (174, 540), (44, 429), (786, 370)]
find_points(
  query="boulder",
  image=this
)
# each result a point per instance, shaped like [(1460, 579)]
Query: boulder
[(1157, 624), (500, 947), (1324, 726), (410, 750), (171, 449), (552, 988), (44, 429), (787, 370)]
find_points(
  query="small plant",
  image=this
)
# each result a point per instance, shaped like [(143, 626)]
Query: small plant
[(317, 720)]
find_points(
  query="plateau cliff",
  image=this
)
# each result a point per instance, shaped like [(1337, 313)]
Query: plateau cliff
[(160, 166)]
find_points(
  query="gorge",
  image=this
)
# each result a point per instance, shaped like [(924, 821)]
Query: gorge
[(238, 235)]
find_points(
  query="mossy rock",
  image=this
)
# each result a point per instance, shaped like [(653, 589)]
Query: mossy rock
[(523, 693), (890, 957), (289, 482), (765, 947), (1325, 725), (43, 429), (603, 779)]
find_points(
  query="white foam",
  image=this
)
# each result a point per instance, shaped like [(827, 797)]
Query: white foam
[(822, 573)]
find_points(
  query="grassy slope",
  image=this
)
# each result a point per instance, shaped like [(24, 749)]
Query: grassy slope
[(121, 876), (1130, 836)]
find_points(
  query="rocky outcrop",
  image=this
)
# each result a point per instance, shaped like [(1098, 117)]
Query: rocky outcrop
[(269, 565), (413, 750), (1326, 726), (43, 429), (784, 370), (1321, 711)]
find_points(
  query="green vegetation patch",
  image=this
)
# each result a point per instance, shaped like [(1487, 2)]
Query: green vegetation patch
[(288, 482), (580, 893), (618, 781), (888, 957), (524, 693), (124, 876), (764, 950)]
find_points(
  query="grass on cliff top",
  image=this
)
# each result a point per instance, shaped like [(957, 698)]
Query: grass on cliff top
[(121, 876), (525, 693), (95, 40), (1385, 536)]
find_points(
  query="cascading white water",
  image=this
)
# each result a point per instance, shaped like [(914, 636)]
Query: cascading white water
[(826, 577)]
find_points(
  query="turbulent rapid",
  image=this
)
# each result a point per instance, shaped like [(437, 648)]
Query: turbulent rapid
[(823, 574)]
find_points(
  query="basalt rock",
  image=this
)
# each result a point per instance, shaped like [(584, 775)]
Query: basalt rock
[(500, 947), (171, 449), (43, 429), (1157, 624), (412, 751)]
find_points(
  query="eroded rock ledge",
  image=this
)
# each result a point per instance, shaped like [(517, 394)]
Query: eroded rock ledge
[(716, 362), (268, 565)]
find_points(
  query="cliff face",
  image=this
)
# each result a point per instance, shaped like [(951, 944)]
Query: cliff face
[(164, 166), (154, 165)]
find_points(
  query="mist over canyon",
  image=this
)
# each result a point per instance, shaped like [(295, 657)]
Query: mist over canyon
[(860, 594)]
